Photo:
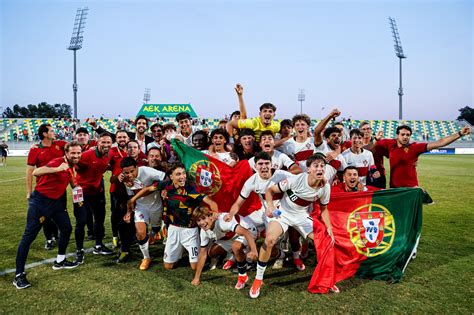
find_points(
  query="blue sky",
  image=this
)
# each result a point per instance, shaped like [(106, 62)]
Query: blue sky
[(340, 52)]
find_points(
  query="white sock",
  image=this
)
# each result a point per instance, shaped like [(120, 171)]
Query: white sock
[(144, 249), (296, 255), (260, 271), (60, 258)]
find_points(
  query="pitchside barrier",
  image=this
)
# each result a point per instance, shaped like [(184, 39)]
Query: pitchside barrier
[(441, 151)]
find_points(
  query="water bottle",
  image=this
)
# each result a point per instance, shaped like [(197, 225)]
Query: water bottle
[(276, 213)]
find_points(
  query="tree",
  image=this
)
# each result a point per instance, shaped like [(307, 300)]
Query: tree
[(42, 110), (467, 113)]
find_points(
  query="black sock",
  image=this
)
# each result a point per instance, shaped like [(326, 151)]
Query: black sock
[(242, 267)]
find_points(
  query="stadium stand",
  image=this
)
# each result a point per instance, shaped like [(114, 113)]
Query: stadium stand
[(423, 130)]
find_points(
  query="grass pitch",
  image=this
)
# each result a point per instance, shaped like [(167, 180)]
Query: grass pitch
[(439, 280)]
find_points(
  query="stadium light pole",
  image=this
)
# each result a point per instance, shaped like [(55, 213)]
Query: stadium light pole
[(301, 99), (76, 44), (399, 53), (147, 96)]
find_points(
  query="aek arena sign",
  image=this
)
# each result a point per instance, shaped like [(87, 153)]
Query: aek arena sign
[(166, 110)]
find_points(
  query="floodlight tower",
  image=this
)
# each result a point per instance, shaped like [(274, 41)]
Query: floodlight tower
[(301, 99), (399, 53), (76, 44), (147, 96)]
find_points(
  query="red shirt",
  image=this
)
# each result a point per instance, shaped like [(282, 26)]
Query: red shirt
[(54, 185), (41, 155), (88, 145), (403, 162), (116, 156), (91, 168)]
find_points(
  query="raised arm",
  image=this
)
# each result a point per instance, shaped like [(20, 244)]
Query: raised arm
[(318, 139), (239, 89), (449, 139)]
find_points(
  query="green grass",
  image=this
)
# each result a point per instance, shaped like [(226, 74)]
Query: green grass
[(440, 280)]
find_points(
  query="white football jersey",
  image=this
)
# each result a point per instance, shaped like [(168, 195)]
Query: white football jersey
[(362, 161), (338, 164), (222, 231), (299, 151), (278, 161), (299, 196), (146, 176), (259, 185)]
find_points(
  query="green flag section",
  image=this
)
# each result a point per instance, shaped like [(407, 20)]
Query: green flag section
[(217, 179), (166, 110), (376, 234)]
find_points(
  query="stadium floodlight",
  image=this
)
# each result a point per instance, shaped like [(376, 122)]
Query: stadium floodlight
[(76, 44), (147, 96), (301, 99), (399, 53)]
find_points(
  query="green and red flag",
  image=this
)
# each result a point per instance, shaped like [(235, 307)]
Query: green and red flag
[(217, 179), (376, 235)]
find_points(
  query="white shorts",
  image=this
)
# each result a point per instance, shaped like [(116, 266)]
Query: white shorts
[(180, 238), (227, 244), (258, 219), (300, 222), (150, 217)]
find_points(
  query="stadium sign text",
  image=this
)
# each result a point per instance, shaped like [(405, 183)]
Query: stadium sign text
[(166, 110)]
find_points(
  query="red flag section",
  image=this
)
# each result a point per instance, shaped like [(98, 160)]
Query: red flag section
[(217, 179)]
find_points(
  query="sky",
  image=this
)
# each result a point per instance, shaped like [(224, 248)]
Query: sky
[(340, 52)]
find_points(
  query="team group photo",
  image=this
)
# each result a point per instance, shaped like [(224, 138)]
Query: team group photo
[(222, 190)]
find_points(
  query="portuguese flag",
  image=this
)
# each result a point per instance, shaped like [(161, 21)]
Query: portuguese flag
[(217, 179), (376, 234)]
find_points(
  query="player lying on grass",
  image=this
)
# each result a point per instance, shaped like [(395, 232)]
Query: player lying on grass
[(181, 199), (219, 236), (300, 192)]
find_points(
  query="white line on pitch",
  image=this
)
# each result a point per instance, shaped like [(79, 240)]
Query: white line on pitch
[(44, 262)]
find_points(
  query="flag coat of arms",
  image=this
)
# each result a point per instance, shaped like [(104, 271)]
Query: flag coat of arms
[(217, 179), (376, 234)]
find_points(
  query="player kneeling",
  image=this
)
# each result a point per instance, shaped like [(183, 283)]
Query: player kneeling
[(217, 234)]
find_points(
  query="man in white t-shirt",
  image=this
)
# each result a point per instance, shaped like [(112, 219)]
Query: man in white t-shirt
[(331, 147), (186, 129), (356, 156), (299, 194), (301, 146), (148, 209), (219, 148), (259, 183), (279, 160), (218, 235)]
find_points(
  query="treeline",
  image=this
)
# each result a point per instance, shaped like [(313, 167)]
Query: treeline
[(42, 110)]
